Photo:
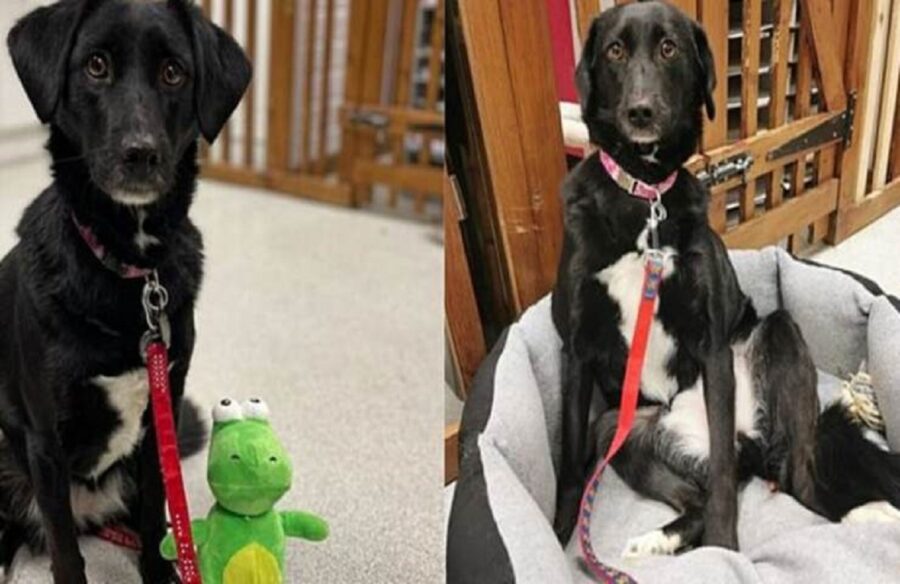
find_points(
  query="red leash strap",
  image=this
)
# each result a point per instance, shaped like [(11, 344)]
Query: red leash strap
[(631, 389), (169, 461)]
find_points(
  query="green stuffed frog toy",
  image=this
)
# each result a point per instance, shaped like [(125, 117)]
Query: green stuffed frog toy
[(241, 541)]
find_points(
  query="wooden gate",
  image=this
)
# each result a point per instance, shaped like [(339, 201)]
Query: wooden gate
[(347, 95), (285, 134), (774, 151), (393, 121)]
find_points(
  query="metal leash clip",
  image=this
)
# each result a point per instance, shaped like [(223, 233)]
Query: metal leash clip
[(658, 214), (155, 298)]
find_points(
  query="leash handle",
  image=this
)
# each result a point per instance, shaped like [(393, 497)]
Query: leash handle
[(169, 461), (631, 389)]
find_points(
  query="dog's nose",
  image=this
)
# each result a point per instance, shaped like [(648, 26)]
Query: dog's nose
[(640, 114), (141, 153)]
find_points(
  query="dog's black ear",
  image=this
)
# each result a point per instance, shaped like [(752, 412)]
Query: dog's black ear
[(222, 74), (40, 45), (707, 69), (584, 71)]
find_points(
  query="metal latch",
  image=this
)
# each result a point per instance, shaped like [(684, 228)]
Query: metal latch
[(837, 128), (724, 170), (373, 119)]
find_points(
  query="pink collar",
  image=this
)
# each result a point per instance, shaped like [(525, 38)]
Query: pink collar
[(633, 186), (109, 261)]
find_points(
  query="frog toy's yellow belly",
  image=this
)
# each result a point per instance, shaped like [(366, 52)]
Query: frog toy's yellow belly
[(254, 564)]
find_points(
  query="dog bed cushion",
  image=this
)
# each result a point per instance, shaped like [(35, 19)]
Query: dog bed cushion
[(502, 506)]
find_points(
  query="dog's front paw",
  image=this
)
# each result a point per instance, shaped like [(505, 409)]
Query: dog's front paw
[(567, 504), (655, 543)]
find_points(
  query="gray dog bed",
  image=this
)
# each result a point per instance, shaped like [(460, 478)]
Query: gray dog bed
[(500, 524)]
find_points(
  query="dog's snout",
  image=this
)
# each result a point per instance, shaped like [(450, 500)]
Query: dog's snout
[(641, 114), (141, 152)]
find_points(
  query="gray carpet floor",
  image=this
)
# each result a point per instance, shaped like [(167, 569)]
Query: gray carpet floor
[(335, 318)]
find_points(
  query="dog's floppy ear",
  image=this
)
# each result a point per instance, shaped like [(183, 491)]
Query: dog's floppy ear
[(222, 74), (584, 72), (707, 69), (40, 45)]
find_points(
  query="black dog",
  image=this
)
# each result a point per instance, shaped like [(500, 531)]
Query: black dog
[(714, 373), (127, 87)]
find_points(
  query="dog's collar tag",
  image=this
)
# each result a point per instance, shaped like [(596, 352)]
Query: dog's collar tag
[(634, 187)]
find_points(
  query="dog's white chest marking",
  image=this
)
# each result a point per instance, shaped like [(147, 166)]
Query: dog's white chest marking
[(687, 420), (127, 395), (142, 239), (624, 280)]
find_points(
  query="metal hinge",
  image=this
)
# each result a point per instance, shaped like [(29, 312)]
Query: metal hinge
[(838, 127), (724, 170)]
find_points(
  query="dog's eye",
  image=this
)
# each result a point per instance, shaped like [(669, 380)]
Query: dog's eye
[(172, 74), (668, 49), (97, 66), (615, 52)]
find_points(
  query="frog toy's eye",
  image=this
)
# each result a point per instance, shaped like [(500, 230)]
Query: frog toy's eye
[(255, 409), (227, 410)]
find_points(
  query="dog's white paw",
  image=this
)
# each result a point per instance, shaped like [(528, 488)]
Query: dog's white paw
[(655, 543), (874, 512)]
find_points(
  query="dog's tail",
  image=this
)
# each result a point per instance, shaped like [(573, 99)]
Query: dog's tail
[(852, 468), (193, 431)]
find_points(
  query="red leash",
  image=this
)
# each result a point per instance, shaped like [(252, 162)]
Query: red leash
[(631, 389), (155, 299)]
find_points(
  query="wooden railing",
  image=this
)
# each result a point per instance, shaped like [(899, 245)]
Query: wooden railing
[(347, 95)]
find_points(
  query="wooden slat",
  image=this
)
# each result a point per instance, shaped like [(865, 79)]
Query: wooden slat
[(894, 166), (249, 102), (823, 33), (412, 177), (467, 343), (309, 72), (859, 49), (327, 190), (435, 58), (714, 16), (375, 30), (525, 173), (888, 102), (585, 12), (781, 50), (353, 83), (325, 113), (751, 22), (404, 76), (225, 136), (718, 212), (280, 86), (789, 218), (867, 117), (802, 109), (871, 208)]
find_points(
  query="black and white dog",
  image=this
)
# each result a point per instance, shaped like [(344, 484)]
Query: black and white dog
[(127, 88), (722, 389)]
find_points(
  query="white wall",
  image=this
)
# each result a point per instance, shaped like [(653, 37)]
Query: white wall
[(21, 135)]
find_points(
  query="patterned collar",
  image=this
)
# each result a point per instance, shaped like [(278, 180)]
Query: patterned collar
[(633, 186), (109, 261)]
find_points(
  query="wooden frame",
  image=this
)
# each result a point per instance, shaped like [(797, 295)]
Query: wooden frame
[(520, 130)]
